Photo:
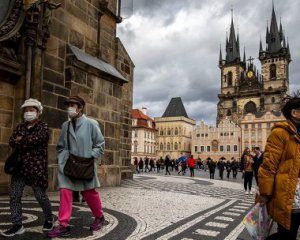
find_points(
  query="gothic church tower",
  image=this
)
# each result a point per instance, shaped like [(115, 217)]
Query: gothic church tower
[(243, 89)]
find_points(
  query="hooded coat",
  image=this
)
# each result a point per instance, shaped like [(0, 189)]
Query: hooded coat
[(279, 172)]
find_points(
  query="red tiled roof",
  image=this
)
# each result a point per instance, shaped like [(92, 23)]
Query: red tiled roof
[(142, 118)]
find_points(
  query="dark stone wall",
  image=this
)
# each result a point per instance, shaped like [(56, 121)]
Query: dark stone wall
[(108, 101)]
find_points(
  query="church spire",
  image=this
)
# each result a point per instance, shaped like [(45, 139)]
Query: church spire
[(273, 37), (220, 56), (244, 58), (232, 48), (260, 46)]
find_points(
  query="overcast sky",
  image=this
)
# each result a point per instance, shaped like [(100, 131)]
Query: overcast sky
[(175, 47)]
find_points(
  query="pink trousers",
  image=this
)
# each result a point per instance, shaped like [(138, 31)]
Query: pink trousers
[(92, 198)]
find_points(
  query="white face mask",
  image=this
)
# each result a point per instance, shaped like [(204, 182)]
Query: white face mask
[(30, 116), (72, 112)]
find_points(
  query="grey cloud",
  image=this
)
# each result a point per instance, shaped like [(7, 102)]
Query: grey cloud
[(176, 58)]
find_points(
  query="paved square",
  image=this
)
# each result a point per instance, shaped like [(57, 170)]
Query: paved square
[(152, 206)]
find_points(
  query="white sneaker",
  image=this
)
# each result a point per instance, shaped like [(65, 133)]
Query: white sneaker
[(250, 192), (246, 192)]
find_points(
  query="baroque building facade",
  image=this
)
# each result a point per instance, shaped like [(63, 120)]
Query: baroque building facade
[(245, 90), (217, 142), (257, 127), (174, 128), (53, 49), (143, 135)]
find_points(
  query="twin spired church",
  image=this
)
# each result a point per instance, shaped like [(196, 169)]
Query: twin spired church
[(245, 90)]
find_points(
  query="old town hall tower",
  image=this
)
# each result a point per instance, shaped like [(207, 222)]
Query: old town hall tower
[(243, 89)]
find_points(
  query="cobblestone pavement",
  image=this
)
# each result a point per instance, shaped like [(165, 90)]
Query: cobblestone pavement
[(152, 206)]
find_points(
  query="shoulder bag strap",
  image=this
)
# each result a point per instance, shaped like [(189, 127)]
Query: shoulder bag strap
[(68, 137)]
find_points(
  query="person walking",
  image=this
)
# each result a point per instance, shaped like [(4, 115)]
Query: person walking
[(30, 139), (211, 167), (248, 171), (228, 168), (158, 165), (191, 165), (221, 167), (167, 164), (151, 165), (80, 140), (136, 164), (234, 167), (279, 174), (258, 159), (147, 164), (141, 165)]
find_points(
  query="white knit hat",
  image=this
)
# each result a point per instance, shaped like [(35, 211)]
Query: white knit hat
[(33, 103)]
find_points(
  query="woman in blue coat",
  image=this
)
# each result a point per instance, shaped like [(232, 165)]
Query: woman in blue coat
[(85, 141)]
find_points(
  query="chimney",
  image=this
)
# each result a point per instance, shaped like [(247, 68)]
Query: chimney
[(144, 110)]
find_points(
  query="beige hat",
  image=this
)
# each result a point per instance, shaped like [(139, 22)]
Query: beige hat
[(33, 103)]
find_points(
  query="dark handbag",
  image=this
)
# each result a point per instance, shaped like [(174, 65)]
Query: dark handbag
[(78, 167), (13, 163)]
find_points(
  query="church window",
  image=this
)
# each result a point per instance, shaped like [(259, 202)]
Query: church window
[(229, 79), (228, 112), (273, 71), (250, 107)]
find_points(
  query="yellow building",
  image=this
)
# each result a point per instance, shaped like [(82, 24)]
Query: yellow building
[(174, 130), (257, 127)]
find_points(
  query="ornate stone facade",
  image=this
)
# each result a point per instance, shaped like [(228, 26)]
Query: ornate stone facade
[(175, 128), (216, 142), (63, 48), (243, 89)]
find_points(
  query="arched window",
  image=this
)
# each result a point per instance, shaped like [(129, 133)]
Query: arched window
[(169, 132), (175, 146), (161, 132), (228, 112), (273, 71), (250, 107), (161, 147), (273, 100), (229, 79), (168, 146), (176, 131), (172, 131)]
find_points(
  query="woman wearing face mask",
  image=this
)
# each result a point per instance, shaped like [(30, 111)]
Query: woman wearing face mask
[(80, 136), (31, 139)]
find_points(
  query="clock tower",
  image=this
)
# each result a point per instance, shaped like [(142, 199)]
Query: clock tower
[(243, 89)]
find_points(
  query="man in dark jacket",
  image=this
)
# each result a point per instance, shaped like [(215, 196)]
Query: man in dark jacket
[(258, 159), (167, 164), (212, 167), (221, 166)]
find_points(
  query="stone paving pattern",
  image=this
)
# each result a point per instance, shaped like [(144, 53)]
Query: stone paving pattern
[(153, 206)]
